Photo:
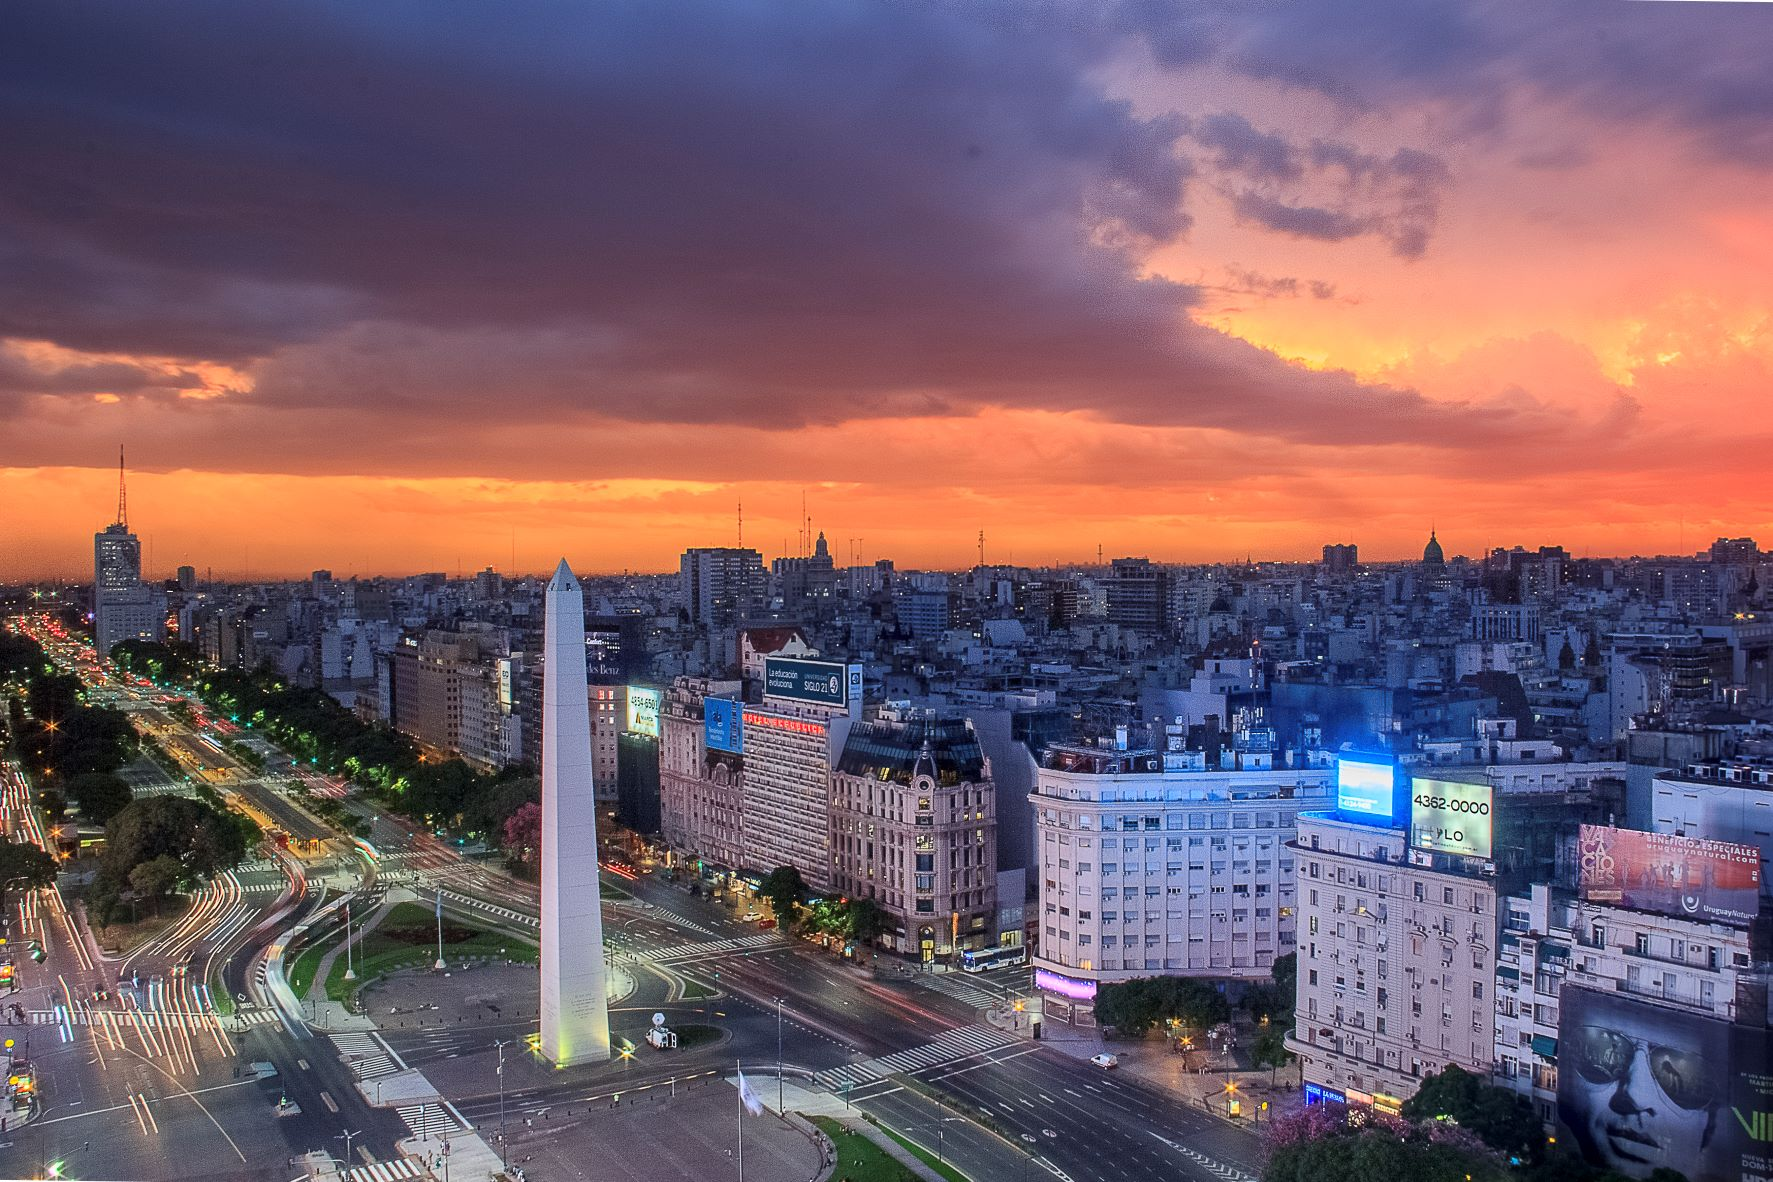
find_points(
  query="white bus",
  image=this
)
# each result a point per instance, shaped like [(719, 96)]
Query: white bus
[(979, 960)]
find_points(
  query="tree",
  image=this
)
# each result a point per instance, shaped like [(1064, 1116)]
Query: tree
[(156, 878), (1270, 1048), (1502, 1119), (785, 890), (100, 795), (1133, 1007), (523, 833), (23, 864), (1316, 1145)]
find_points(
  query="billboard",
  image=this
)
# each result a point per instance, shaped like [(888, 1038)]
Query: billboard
[(643, 711), (1642, 1085), (723, 725), (1450, 817), (1687, 877), (1367, 791), (825, 683)]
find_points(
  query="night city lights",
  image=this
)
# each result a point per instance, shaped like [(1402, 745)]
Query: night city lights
[(886, 591)]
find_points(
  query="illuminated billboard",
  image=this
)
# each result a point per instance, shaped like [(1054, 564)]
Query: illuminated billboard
[(643, 711), (1450, 817), (1642, 1085), (825, 683), (1367, 791), (1687, 877), (1076, 988), (723, 725)]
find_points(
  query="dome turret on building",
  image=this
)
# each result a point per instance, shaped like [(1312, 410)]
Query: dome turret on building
[(1431, 553)]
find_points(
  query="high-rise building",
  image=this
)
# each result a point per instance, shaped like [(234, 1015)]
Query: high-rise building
[(446, 693), (721, 587), (122, 607), (1735, 551), (1138, 595), (1341, 558), (187, 577), (914, 827)]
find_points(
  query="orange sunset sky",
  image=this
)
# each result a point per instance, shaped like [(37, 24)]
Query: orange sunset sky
[(380, 292)]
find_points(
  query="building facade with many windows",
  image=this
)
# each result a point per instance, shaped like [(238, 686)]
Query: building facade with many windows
[(914, 827), (1152, 863)]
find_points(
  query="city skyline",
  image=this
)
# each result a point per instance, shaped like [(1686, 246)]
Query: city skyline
[(1192, 285)]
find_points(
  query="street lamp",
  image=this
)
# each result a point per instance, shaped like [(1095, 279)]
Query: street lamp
[(504, 1159), (780, 1108), (346, 1137)]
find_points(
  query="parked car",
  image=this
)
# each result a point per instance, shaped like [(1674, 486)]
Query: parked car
[(1105, 1061)]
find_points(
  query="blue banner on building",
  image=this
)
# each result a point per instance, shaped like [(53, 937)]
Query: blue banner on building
[(723, 725), (824, 682)]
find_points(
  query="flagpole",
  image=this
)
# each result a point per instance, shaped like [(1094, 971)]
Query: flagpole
[(741, 1072)]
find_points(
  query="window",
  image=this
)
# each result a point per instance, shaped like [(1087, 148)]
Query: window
[(1477, 991)]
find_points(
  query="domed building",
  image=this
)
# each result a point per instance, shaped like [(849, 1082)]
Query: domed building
[(1431, 553)]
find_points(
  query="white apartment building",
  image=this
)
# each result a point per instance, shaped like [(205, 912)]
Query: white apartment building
[(1396, 964), (1550, 938), (1151, 863)]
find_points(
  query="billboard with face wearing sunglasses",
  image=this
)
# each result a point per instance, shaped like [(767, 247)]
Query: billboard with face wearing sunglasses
[(1642, 1085)]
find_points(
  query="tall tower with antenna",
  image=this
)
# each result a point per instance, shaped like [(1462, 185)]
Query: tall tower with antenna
[(122, 608)]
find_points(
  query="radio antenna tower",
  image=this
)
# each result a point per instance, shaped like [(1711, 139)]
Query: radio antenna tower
[(981, 547), (122, 492)]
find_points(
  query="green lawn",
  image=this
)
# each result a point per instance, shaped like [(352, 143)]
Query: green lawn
[(925, 1156), (301, 973), (859, 1159), (694, 990), (406, 939)]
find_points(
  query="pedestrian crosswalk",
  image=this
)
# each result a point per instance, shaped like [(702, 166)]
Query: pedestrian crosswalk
[(494, 908), (708, 947), (962, 1042), (387, 1171), (432, 1120), (963, 988), (185, 1019), (367, 1055)]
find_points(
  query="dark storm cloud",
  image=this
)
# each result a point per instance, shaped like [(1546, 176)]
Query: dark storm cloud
[(773, 215), (1323, 189), (1701, 68)]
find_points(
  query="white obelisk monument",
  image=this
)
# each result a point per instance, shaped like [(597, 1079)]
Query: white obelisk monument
[(575, 998)]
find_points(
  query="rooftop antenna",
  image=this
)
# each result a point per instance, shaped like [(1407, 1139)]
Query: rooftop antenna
[(122, 492), (741, 523), (981, 547)]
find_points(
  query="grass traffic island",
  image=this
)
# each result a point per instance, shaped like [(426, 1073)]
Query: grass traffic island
[(925, 1156), (407, 939), (861, 1160)]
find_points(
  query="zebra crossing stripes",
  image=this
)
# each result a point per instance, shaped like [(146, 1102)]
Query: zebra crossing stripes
[(387, 1171), (367, 1055), (188, 1019), (962, 1042), (706, 947), (503, 912), (431, 1120), (957, 986)]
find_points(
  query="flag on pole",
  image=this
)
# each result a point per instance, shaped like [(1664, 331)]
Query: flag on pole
[(748, 1096)]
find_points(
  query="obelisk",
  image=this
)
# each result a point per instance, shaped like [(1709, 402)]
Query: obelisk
[(575, 999)]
